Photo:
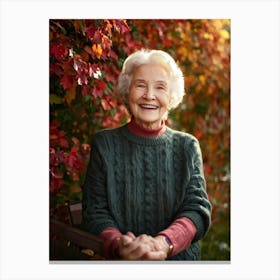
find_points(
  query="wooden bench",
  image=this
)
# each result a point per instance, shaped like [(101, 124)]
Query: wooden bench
[(70, 242)]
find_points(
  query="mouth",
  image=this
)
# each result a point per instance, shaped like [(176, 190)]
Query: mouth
[(148, 106)]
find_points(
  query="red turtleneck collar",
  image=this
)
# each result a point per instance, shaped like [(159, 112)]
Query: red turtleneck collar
[(145, 132)]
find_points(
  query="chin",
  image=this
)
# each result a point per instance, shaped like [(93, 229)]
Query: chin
[(150, 120)]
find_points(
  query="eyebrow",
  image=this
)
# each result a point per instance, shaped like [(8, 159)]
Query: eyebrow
[(140, 80), (144, 81), (161, 82)]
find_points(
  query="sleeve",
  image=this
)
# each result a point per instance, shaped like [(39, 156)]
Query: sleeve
[(96, 213), (180, 233), (110, 237), (196, 205)]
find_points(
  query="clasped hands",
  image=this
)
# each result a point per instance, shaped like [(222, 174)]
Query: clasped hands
[(143, 247)]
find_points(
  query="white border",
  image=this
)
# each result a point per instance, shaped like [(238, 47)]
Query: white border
[(254, 127)]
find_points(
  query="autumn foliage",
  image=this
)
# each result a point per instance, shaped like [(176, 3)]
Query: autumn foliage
[(86, 57)]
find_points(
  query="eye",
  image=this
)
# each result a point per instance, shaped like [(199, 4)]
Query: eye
[(161, 86), (141, 85)]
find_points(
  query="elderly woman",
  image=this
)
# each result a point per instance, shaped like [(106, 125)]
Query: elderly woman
[(145, 193)]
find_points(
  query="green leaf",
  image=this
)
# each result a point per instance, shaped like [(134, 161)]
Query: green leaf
[(54, 99)]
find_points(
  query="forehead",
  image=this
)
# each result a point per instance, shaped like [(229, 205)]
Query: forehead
[(153, 72)]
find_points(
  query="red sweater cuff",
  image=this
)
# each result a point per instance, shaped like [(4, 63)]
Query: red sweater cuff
[(180, 233), (110, 237)]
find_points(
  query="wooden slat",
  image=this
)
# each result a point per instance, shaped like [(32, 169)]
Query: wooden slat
[(75, 209), (60, 250), (78, 237)]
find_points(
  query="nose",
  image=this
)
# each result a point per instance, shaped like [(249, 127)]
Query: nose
[(149, 94)]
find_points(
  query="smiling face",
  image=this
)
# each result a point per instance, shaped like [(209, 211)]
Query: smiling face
[(149, 95)]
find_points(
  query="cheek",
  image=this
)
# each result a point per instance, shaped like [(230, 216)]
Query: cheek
[(133, 96), (131, 100), (165, 101)]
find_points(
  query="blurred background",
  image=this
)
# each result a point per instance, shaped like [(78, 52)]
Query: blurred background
[(86, 57)]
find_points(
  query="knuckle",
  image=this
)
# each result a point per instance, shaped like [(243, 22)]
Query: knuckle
[(143, 236)]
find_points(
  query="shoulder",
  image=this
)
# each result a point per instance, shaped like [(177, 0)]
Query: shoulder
[(105, 136), (184, 142), (107, 132), (181, 136)]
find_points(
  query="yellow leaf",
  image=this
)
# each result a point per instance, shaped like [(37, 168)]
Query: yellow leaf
[(97, 49), (202, 79), (224, 33), (208, 36)]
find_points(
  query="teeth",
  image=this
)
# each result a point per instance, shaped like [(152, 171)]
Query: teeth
[(147, 106)]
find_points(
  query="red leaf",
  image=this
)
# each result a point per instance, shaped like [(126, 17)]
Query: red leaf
[(99, 88), (85, 90), (94, 70), (113, 54), (75, 140), (101, 84), (58, 51), (121, 26), (63, 143), (55, 184), (66, 81), (76, 178), (91, 32), (55, 68)]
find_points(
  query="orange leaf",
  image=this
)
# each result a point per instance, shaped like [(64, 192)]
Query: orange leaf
[(96, 48), (73, 188), (70, 95), (105, 104), (113, 103)]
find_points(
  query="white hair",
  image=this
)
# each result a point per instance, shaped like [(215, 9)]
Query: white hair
[(158, 57)]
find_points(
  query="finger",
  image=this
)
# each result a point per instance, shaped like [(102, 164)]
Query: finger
[(137, 248), (131, 235), (138, 252), (129, 238), (151, 241), (125, 240), (127, 246), (155, 256)]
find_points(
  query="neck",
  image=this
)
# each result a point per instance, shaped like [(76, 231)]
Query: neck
[(146, 132)]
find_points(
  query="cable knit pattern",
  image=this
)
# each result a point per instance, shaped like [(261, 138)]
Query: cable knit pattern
[(142, 184)]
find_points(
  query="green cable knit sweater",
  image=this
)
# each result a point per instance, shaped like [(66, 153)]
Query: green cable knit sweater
[(142, 184)]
